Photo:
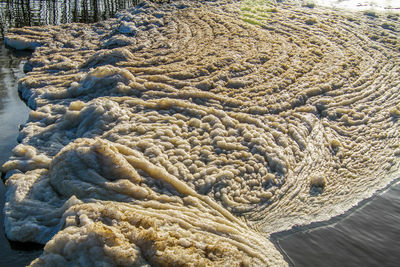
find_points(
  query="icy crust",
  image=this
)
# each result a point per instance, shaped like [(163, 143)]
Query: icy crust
[(188, 132)]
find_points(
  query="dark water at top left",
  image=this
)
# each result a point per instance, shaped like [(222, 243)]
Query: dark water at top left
[(19, 13)]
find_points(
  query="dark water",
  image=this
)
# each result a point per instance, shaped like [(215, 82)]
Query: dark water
[(13, 112), (19, 13), (368, 235)]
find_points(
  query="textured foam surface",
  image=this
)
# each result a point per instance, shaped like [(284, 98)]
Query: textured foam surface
[(188, 132)]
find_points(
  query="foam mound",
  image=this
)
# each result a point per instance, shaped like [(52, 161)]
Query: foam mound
[(185, 133)]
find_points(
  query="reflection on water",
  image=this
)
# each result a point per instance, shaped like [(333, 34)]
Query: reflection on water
[(368, 236), (12, 113), (19, 13), (12, 110)]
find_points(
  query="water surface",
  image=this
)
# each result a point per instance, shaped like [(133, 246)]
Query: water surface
[(368, 235), (13, 112), (19, 13)]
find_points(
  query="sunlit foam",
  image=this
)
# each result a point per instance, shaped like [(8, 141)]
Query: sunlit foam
[(382, 5)]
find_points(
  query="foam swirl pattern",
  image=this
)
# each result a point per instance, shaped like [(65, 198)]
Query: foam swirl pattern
[(186, 133)]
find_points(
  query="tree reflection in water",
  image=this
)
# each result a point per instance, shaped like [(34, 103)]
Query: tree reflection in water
[(19, 13)]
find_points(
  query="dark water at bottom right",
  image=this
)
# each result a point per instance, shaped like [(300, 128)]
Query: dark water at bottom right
[(369, 235)]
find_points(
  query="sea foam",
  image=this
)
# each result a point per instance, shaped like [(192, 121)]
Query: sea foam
[(185, 133)]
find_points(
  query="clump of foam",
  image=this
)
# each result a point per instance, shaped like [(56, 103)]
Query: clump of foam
[(26, 159), (21, 43)]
